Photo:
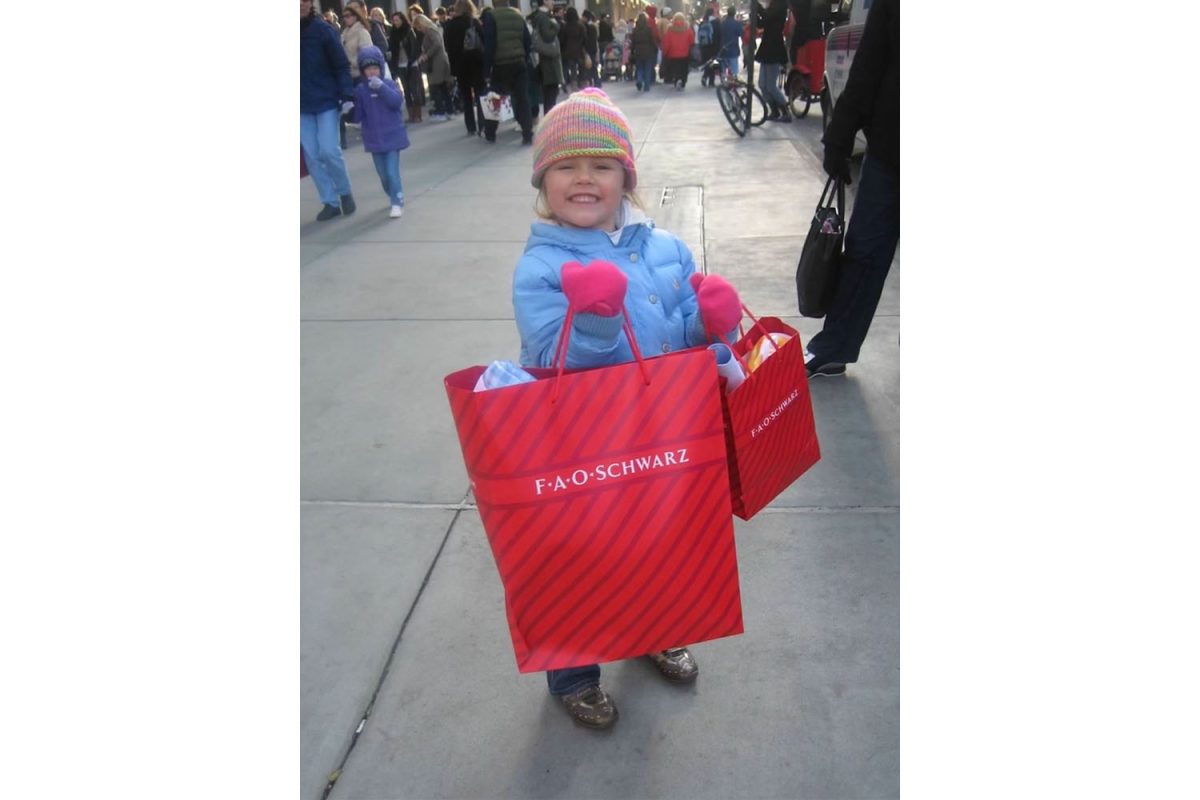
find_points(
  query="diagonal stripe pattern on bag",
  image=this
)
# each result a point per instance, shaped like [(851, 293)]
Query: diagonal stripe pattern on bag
[(608, 511)]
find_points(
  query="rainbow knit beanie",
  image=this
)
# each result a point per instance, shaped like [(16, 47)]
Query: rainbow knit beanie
[(585, 124)]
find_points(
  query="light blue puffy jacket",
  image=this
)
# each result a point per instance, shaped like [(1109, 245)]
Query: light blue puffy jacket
[(660, 301)]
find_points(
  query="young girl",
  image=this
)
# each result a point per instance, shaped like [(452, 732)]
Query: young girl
[(378, 104), (584, 170)]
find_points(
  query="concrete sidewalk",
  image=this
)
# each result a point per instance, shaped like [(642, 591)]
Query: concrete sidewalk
[(401, 606)]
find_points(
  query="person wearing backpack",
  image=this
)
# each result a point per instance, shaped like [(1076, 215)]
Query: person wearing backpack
[(463, 35)]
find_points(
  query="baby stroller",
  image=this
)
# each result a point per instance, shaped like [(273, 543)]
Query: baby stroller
[(610, 62), (627, 58)]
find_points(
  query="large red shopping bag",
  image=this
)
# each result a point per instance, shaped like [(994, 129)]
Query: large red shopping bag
[(772, 437), (605, 497)]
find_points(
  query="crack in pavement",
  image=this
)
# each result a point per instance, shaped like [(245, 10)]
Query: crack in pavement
[(387, 666)]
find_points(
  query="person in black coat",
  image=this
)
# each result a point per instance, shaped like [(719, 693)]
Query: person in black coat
[(606, 31), (405, 49), (591, 46), (773, 56), (466, 65), (870, 102)]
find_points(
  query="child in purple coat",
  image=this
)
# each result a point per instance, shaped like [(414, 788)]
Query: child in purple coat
[(378, 107)]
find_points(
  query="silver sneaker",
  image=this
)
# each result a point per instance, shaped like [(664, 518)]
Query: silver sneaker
[(676, 664), (591, 707)]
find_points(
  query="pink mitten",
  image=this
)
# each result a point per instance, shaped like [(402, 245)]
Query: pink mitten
[(598, 288), (720, 306)]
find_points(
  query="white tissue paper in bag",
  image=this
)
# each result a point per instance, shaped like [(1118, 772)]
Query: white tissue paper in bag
[(728, 366), (500, 374)]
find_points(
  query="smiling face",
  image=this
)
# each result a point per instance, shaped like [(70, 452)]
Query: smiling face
[(585, 192)]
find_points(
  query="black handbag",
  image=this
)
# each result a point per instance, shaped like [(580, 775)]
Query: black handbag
[(820, 262)]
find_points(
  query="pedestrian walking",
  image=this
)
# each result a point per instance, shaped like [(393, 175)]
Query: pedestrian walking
[(607, 34), (571, 38), (436, 64), (870, 102), (374, 26), (506, 47), (379, 107), (676, 47), (324, 84), (380, 25), (591, 47), (584, 171), (708, 38), (731, 39), (645, 51), (656, 30), (463, 36), (405, 52), (544, 38), (355, 36), (772, 55)]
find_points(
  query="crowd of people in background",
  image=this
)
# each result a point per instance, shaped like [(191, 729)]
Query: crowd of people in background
[(440, 61), (452, 59)]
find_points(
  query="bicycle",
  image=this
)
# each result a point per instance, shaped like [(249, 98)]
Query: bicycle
[(801, 97), (734, 94)]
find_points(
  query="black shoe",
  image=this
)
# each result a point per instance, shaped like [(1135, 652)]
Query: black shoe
[(348, 206), (815, 365), (329, 212), (526, 139)]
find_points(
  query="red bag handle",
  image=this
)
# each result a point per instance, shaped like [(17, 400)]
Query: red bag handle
[(564, 340)]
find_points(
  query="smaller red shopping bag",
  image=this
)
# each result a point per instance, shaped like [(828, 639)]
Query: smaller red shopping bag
[(770, 432)]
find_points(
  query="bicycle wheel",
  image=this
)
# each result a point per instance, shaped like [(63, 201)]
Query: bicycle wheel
[(734, 111), (758, 106), (798, 95)]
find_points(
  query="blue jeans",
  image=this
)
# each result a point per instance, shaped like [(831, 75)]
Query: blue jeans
[(388, 166), (871, 239), (732, 63), (565, 681), (323, 154), (645, 72), (768, 84)]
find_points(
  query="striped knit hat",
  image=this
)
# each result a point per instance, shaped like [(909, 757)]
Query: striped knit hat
[(585, 124)]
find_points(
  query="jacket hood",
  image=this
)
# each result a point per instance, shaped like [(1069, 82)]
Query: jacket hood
[(370, 55), (679, 25)]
